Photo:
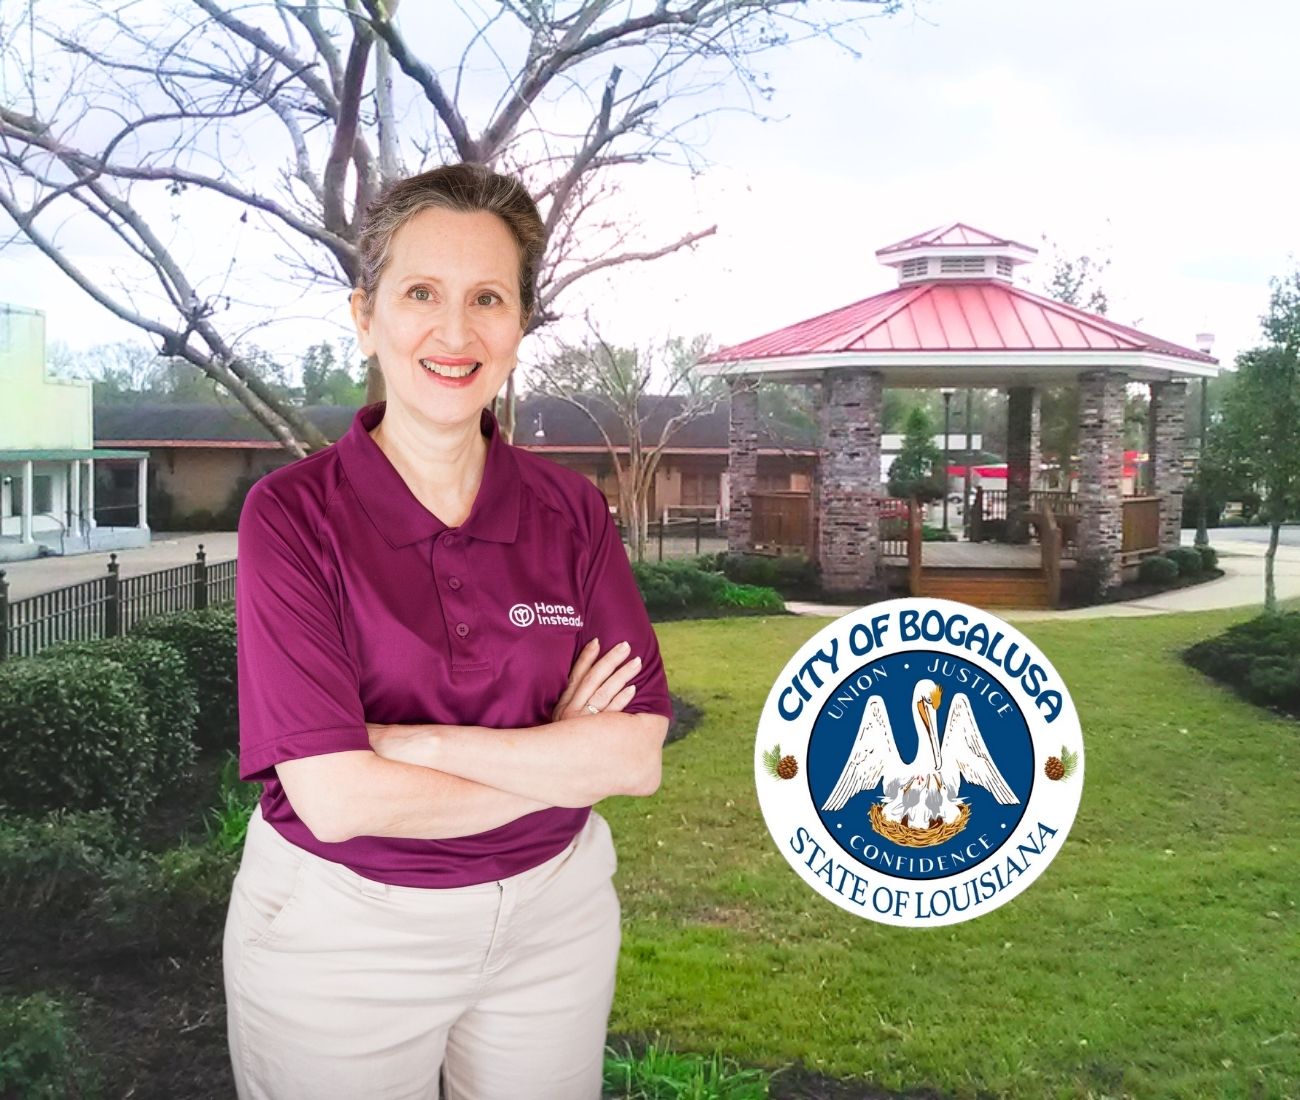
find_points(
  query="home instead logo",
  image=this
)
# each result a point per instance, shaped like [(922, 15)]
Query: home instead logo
[(545, 614), (919, 762)]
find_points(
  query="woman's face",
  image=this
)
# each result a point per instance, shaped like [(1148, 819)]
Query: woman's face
[(445, 322)]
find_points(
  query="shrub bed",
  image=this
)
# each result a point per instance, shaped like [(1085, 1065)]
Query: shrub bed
[(1188, 559), (1158, 569), (159, 669), (41, 1055), (206, 640), (682, 586), (1259, 659), (75, 733)]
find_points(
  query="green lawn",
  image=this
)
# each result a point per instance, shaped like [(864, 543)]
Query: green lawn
[(1159, 954)]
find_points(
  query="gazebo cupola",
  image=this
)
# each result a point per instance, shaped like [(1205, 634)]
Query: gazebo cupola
[(954, 252)]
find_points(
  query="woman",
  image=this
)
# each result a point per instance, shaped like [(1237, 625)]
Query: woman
[(443, 663)]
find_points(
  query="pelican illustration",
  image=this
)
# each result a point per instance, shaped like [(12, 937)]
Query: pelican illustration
[(920, 794)]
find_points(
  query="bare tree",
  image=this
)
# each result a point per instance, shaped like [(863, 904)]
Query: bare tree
[(623, 391), (135, 110)]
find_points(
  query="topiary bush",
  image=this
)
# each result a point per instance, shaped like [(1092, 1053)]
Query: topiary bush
[(1158, 569), (750, 596), (75, 733), (160, 670), (1188, 560), (1209, 557), (206, 639), (41, 1055)]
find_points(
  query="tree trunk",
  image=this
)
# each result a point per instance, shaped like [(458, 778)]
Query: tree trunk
[(1270, 589)]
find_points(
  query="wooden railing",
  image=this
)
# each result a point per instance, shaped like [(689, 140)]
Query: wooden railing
[(892, 525), (1141, 525)]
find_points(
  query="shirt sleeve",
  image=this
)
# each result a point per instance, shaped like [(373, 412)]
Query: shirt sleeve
[(298, 688), (614, 612)]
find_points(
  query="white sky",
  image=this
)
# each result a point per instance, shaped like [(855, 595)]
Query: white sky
[(1162, 134)]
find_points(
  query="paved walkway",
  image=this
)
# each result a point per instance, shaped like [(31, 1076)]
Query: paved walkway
[(1240, 557), (30, 578)]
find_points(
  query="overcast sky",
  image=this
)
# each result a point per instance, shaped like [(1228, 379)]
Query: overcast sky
[(1161, 135)]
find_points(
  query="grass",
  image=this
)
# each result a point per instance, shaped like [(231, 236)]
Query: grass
[(664, 1074), (1159, 954)]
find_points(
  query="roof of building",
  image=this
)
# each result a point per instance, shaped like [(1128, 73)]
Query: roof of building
[(952, 235), (563, 427), (973, 316)]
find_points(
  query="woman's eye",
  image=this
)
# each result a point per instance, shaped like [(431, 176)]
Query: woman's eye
[(488, 298), (421, 293)]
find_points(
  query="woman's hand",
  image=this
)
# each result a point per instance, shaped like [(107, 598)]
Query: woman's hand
[(401, 743), (598, 681)]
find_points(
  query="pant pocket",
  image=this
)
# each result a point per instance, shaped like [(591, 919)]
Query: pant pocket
[(267, 889)]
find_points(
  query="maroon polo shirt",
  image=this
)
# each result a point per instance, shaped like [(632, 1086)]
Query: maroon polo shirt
[(354, 603)]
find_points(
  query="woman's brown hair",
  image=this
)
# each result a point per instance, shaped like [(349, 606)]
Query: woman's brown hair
[(467, 188)]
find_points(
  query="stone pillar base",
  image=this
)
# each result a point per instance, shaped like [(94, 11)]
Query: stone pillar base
[(850, 542)]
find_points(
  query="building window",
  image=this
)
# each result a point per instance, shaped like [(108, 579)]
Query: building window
[(916, 269), (42, 494), (1005, 267)]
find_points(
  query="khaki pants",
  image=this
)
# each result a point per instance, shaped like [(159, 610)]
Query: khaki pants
[(341, 988)]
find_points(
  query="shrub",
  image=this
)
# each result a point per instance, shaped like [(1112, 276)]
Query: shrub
[(682, 585), (1188, 560), (786, 573), (1209, 557), (1259, 658), (206, 639), (53, 864), (75, 733), (169, 696), (936, 534), (751, 596), (1158, 569), (41, 1056), (174, 901)]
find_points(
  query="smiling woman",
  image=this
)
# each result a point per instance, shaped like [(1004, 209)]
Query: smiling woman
[(424, 693)]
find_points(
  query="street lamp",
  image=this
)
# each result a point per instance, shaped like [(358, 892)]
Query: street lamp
[(947, 392), (1204, 343)]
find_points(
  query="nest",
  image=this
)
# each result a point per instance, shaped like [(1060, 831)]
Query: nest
[(917, 838)]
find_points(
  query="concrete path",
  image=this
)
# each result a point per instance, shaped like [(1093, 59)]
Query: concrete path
[(30, 578), (1241, 557)]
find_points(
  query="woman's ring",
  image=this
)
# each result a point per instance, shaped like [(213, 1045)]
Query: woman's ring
[(594, 710)]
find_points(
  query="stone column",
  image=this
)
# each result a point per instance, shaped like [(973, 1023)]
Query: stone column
[(74, 499), (1101, 472), (742, 462), (1168, 437), (1022, 458), (25, 524), (850, 489), (90, 495)]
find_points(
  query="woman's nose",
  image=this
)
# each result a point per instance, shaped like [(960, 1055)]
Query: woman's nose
[(454, 329)]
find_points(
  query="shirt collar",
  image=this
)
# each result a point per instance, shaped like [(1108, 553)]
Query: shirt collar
[(393, 508)]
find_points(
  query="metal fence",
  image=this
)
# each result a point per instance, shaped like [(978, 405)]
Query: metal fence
[(109, 606), (682, 538)]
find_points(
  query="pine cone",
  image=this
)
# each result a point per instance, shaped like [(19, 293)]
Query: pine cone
[(1054, 768), (788, 768)]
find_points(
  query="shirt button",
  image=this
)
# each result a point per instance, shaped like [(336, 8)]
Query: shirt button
[(453, 583), (462, 629), (449, 540)]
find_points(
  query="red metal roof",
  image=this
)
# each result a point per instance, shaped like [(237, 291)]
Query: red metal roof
[(954, 235), (970, 315)]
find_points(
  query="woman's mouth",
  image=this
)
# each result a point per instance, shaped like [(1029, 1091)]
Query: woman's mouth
[(452, 371)]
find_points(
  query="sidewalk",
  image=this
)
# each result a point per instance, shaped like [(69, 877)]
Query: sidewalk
[(1242, 584)]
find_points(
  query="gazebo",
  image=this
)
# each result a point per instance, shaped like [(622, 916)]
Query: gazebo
[(957, 318)]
